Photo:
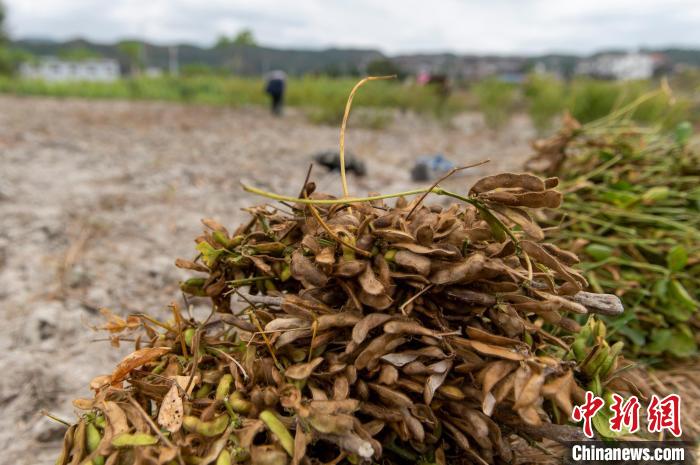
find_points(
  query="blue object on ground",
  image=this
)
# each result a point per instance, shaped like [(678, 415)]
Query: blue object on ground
[(430, 167)]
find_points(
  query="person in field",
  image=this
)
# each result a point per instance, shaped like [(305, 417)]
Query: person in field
[(275, 87)]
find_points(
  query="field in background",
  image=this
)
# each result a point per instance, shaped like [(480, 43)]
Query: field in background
[(323, 99)]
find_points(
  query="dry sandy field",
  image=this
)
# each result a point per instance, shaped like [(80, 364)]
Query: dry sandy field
[(98, 198)]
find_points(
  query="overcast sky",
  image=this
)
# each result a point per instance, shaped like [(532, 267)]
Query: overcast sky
[(393, 26)]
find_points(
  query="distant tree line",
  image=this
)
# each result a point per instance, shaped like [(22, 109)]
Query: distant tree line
[(244, 37)]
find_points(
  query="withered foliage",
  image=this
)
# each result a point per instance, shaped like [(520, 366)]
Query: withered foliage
[(359, 332)]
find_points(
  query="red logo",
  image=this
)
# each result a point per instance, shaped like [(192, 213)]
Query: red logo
[(662, 414), (625, 414), (665, 414), (586, 411)]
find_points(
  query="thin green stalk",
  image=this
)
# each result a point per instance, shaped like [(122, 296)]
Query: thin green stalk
[(619, 113), (622, 261), (348, 200), (437, 190)]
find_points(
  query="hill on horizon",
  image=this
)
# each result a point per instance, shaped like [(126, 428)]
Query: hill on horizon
[(254, 60)]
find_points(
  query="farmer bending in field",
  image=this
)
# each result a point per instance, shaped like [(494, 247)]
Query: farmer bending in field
[(275, 88)]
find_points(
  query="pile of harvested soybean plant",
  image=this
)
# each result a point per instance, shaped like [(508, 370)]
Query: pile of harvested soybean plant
[(348, 330)]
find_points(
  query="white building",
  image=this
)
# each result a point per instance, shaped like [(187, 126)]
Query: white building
[(54, 69), (618, 66)]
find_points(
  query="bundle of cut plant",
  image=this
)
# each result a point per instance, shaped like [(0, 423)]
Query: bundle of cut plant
[(351, 331), (632, 212)]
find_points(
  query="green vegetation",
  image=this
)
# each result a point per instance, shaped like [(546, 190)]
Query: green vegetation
[(544, 98), (324, 98), (632, 213), (496, 99), (10, 56), (589, 99), (547, 99), (133, 51), (5, 54), (244, 37), (78, 54), (384, 67)]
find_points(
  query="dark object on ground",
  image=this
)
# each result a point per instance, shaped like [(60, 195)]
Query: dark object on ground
[(441, 84), (275, 87), (331, 160), (430, 167)]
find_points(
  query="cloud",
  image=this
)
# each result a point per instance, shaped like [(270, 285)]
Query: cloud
[(483, 26)]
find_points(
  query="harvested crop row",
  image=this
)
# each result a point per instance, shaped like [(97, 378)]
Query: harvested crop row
[(632, 211)]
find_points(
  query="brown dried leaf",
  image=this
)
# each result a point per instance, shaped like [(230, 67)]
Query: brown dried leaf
[(190, 265), (171, 410), (214, 225), (560, 390), (135, 360)]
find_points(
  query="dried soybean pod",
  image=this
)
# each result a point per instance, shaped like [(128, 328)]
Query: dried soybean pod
[(79, 439), (367, 324), (68, 441), (528, 182), (551, 183)]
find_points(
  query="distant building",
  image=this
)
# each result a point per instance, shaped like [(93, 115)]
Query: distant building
[(54, 69), (464, 67), (153, 72), (618, 66)]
